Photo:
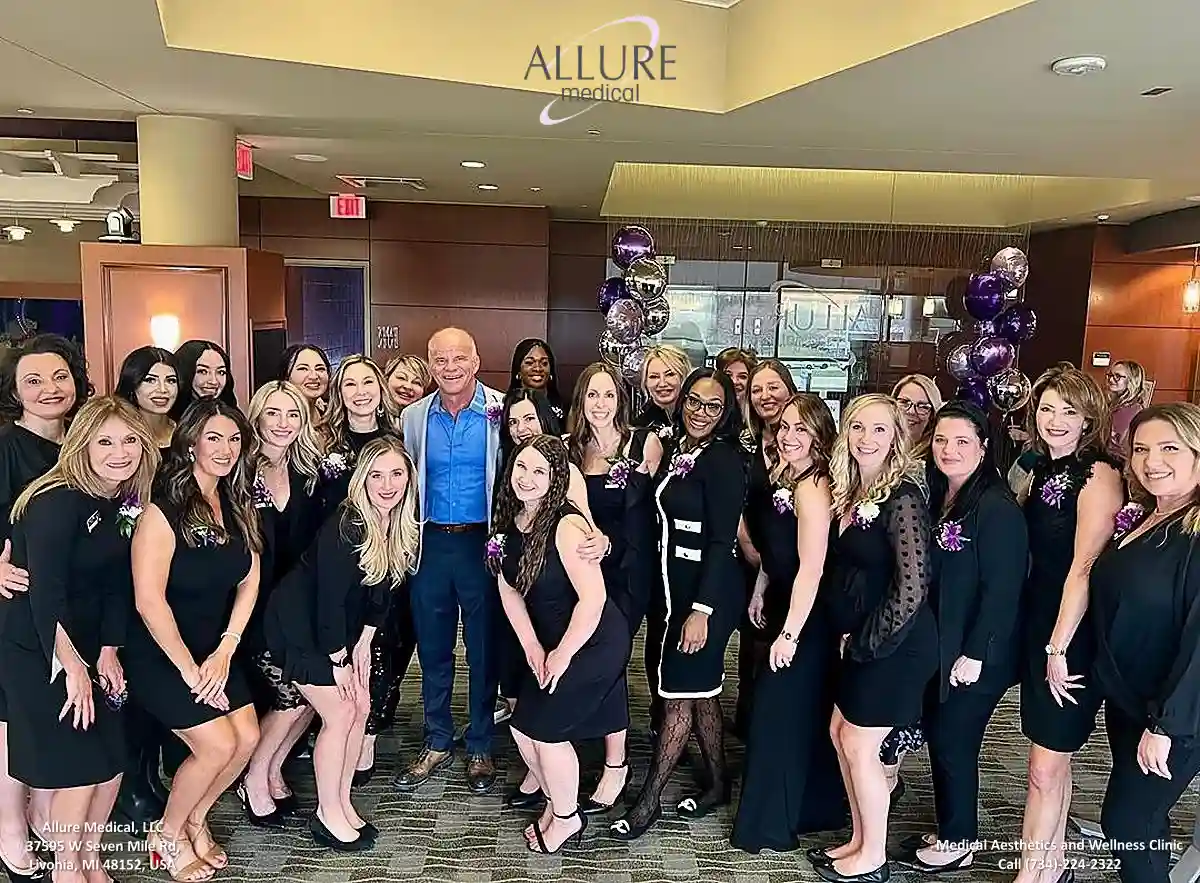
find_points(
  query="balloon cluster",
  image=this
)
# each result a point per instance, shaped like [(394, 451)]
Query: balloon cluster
[(634, 304), (983, 364)]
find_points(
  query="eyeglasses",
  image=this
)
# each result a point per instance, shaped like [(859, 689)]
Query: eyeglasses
[(923, 408), (711, 409), (115, 701), (1112, 375)]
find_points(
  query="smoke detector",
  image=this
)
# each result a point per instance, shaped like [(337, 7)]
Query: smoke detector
[(1079, 65)]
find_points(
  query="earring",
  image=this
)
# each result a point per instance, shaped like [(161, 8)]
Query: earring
[(192, 455)]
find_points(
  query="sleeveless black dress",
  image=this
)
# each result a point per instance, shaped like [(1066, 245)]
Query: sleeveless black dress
[(791, 785), (201, 585), (1051, 515), (591, 699), (77, 556)]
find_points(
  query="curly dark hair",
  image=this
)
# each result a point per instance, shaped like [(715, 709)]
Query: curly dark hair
[(177, 484), (69, 352), (533, 554)]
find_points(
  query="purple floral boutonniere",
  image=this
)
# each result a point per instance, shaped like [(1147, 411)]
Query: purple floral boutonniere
[(493, 412), (618, 472), (262, 494), (1127, 518), (128, 513), (1055, 489), (784, 501), (681, 465), (665, 431), (334, 464), (864, 514), (950, 536), (495, 548)]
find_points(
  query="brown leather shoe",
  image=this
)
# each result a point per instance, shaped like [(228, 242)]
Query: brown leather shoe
[(422, 769), (481, 773)]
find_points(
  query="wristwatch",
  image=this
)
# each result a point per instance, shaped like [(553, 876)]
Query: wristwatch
[(788, 636), (345, 661), (1156, 730), (1051, 650)]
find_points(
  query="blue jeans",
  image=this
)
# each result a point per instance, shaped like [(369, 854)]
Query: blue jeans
[(453, 576)]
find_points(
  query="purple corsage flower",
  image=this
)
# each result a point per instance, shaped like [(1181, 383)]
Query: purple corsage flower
[(783, 500), (493, 412), (128, 513), (681, 464), (950, 536), (1055, 489), (495, 548), (1127, 518), (262, 494), (618, 472)]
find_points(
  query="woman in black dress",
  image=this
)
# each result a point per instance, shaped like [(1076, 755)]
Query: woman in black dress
[(307, 368), (195, 579), (1075, 493), (42, 383), (876, 584), (576, 641), (791, 785), (287, 473), (71, 533), (699, 498), (204, 373), (533, 368), (617, 464), (980, 558), (321, 619), (1146, 611)]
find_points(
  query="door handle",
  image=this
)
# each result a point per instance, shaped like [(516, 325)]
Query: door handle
[(758, 326), (737, 326)]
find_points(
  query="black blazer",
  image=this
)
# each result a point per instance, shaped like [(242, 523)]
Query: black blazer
[(978, 592)]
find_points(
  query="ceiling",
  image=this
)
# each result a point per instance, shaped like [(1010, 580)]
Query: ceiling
[(928, 112)]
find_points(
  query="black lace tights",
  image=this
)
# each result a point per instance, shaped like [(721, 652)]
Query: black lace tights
[(682, 717)]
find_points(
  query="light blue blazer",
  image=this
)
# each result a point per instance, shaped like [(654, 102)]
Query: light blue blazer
[(414, 421)]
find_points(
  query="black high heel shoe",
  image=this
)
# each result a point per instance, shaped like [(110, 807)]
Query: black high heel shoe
[(287, 806), (525, 800), (622, 830), (577, 836), (322, 836), (692, 808), (35, 873), (271, 821), (593, 807)]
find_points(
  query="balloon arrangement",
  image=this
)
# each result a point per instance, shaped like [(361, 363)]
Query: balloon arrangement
[(983, 365), (634, 304)]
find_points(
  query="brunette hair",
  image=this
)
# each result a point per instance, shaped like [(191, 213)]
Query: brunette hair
[(754, 422), (186, 357), (578, 429), (547, 417), (334, 424), (136, 368), (1081, 392), (818, 420), (986, 475), (10, 402)]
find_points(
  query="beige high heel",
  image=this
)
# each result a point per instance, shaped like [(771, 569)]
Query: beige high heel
[(164, 851)]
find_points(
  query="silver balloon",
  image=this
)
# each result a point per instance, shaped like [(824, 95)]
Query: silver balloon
[(658, 316), (631, 365), (646, 279), (624, 320), (958, 363), (1011, 265), (1010, 390), (613, 351)]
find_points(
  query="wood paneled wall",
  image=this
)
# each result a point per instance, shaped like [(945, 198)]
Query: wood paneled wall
[(1135, 311), (578, 264), (483, 268), (1060, 271)]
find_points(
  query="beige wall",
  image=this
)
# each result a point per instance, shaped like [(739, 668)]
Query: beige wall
[(46, 255)]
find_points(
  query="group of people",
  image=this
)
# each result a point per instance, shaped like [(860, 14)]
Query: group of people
[(191, 589)]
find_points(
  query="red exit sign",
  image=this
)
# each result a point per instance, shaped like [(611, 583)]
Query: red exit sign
[(347, 205), (245, 161)]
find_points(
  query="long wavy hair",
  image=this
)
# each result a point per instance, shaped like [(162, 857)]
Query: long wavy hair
[(1184, 418), (383, 553), (74, 466), (579, 431), (178, 488), (1135, 389), (815, 416), (304, 453), (754, 424), (10, 401), (848, 490), (540, 535), (1081, 392), (335, 425)]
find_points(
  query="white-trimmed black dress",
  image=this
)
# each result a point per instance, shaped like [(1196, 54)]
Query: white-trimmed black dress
[(699, 501)]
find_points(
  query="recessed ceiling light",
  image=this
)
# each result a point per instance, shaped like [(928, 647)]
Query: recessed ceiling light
[(1195, 198), (65, 224), (595, 133), (472, 164), (1101, 217), (535, 189), (488, 187), (25, 111), (310, 157), (1156, 91), (743, 248), (1079, 65)]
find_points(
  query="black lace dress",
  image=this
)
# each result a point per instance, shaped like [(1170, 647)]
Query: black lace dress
[(1051, 515), (591, 699), (877, 581)]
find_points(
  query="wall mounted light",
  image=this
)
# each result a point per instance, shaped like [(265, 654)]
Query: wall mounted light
[(929, 307), (895, 307), (1191, 290), (164, 331)]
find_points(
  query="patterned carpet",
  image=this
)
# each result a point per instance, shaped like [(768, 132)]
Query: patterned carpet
[(442, 834)]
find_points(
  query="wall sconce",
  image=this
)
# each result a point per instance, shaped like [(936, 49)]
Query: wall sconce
[(895, 307), (164, 331), (929, 307), (1191, 290)]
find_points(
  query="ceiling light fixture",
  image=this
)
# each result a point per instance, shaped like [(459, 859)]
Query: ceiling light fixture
[(1101, 218), (1195, 198), (1079, 65), (310, 157), (25, 111), (535, 189), (488, 187), (16, 232), (1157, 90), (66, 225), (472, 164), (595, 133)]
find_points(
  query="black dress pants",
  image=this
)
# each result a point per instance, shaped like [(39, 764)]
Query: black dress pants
[(1136, 805), (954, 733)]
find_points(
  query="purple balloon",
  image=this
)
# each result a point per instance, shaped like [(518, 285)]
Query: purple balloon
[(985, 296), (975, 392), (958, 363), (631, 243), (1018, 323), (624, 321), (991, 355), (610, 292)]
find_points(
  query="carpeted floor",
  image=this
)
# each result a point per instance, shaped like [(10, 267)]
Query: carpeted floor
[(442, 834)]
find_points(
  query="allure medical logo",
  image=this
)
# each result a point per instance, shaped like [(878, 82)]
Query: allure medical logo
[(598, 74)]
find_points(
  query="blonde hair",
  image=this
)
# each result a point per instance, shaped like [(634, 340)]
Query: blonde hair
[(1081, 392), (1135, 389), (899, 464), (333, 426), (389, 552), (921, 448), (304, 453), (1184, 419), (672, 356), (74, 466), (416, 368)]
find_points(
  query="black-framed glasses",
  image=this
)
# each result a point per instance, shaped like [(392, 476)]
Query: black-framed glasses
[(923, 408), (115, 701), (695, 403)]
